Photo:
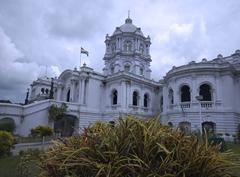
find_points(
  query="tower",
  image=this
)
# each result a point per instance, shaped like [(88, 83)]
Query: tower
[(127, 50)]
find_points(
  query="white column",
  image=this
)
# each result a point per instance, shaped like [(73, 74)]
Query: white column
[(80, 92), (59, 92)]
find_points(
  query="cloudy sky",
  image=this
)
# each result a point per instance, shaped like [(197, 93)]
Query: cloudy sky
[(35, 34)]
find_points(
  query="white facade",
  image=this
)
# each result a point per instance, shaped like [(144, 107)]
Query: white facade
[(126, 87)]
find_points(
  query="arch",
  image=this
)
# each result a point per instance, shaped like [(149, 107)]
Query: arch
[(127, 46), (205, 90), (66, 126), (171, 96), (185, 93), (146, 100), (185, 127), (114, 97), (135, 97), (7, 124), (209, 128), (68, 95)]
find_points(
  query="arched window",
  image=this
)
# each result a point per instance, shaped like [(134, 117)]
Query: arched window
[(127, 68), (205, 92), (185, 127), (170, 95), (68, 96), (46, 91), (114, 97), (146, 100), (209, 128), (127, 47), (135, 98), (185, 94), (42, 90)]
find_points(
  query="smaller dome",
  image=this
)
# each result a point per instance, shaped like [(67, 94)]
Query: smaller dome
[(128, 27)]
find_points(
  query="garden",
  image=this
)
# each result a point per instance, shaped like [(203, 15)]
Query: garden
[(129, 147)]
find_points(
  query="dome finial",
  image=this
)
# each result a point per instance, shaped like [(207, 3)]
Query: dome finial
[(128, 20)]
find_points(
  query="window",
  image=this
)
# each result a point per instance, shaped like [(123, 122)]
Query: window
[(68, 96), (42, 90), (205, 92), (135, 98), (112, 69), (113, 48), (170, 95), (141, 71), (161, 103), (127, 47), (185, 94), (146, 100), (127, 68), (114, 97), (46, 91), (141, 49)]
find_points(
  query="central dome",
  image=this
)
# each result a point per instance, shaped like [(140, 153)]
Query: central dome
[(128, 27)]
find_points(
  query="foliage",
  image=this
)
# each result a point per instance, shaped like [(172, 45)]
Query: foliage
[(6, 141), (7, 124), (134, 148), (27, 166), (56, 113), (41, 131)]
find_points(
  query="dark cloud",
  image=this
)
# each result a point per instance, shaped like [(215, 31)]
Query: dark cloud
[(39, 34)]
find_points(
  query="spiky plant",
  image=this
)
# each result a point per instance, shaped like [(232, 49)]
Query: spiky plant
[(134, 148)]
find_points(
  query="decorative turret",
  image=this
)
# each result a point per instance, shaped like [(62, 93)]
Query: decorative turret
[(127, 49)]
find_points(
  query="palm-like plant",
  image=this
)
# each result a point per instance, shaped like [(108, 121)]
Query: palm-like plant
[(135, 148)]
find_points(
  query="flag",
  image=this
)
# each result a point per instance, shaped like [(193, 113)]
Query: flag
[(84, 51)]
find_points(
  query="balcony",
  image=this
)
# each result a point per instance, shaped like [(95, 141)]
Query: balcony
[(194, 106)]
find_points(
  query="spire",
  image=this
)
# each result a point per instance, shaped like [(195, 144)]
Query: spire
[(128, 20)]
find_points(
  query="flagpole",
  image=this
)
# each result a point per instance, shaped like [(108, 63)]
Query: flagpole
[(80, 58)]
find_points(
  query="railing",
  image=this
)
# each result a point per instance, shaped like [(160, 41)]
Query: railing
[(185, 105), (206, 104)]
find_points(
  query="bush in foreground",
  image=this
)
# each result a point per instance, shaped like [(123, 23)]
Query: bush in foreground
[(41, 131), (134, 148), (6, 141)]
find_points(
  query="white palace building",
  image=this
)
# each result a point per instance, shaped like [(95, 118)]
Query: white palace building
[(193, 96)]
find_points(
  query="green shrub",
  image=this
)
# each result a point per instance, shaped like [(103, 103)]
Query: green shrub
[(134, 148), (218, 141), (41, 131), (7, 124), (6, 141)]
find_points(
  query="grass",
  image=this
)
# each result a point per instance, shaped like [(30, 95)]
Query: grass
[(8, 165)]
